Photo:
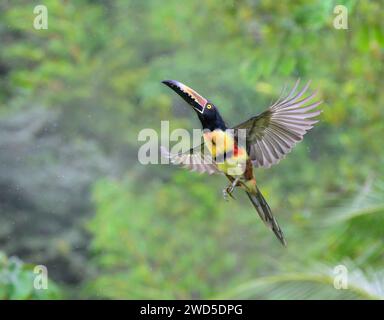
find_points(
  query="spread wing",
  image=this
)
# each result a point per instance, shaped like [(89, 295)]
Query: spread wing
[(273, 133), (196, 159)]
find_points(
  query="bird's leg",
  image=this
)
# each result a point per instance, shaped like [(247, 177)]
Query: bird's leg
[(229, 189), (233, 185)]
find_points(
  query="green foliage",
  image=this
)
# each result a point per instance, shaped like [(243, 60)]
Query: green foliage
[(164, 239), (173, 250), (17, 281)]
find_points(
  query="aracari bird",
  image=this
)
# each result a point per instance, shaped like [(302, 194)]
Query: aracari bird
[(269, 136)]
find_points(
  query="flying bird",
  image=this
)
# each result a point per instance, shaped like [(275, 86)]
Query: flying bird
[(269, 136)]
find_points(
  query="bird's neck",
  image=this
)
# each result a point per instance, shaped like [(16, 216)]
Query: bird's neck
[(213, 124)]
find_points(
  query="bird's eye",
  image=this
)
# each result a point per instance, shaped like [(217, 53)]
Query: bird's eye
[(209, 106)]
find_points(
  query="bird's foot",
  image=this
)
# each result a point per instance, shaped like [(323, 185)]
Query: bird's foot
[(225, 194), (228, 192)]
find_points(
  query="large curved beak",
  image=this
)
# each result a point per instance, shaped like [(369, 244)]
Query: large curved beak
[(188, 94)]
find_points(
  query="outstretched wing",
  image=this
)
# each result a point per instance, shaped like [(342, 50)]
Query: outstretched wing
[(196, 159), (273, 133)]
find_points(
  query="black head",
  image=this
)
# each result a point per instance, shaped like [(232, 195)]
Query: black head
[(206, 111)]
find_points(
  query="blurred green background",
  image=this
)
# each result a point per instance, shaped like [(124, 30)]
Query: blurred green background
[(73, 196)]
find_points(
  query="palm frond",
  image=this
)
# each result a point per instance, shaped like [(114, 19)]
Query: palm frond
[(369, 201), (310, 285)]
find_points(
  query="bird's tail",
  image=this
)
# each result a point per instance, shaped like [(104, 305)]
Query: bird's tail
[(265, 213)]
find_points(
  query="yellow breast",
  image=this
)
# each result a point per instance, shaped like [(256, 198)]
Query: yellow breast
[(229, 158)]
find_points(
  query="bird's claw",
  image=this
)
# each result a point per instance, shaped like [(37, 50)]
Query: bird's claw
[(225, 194), (228, 192)]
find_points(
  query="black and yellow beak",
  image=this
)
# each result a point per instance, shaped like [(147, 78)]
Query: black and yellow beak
[(188, 94)]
